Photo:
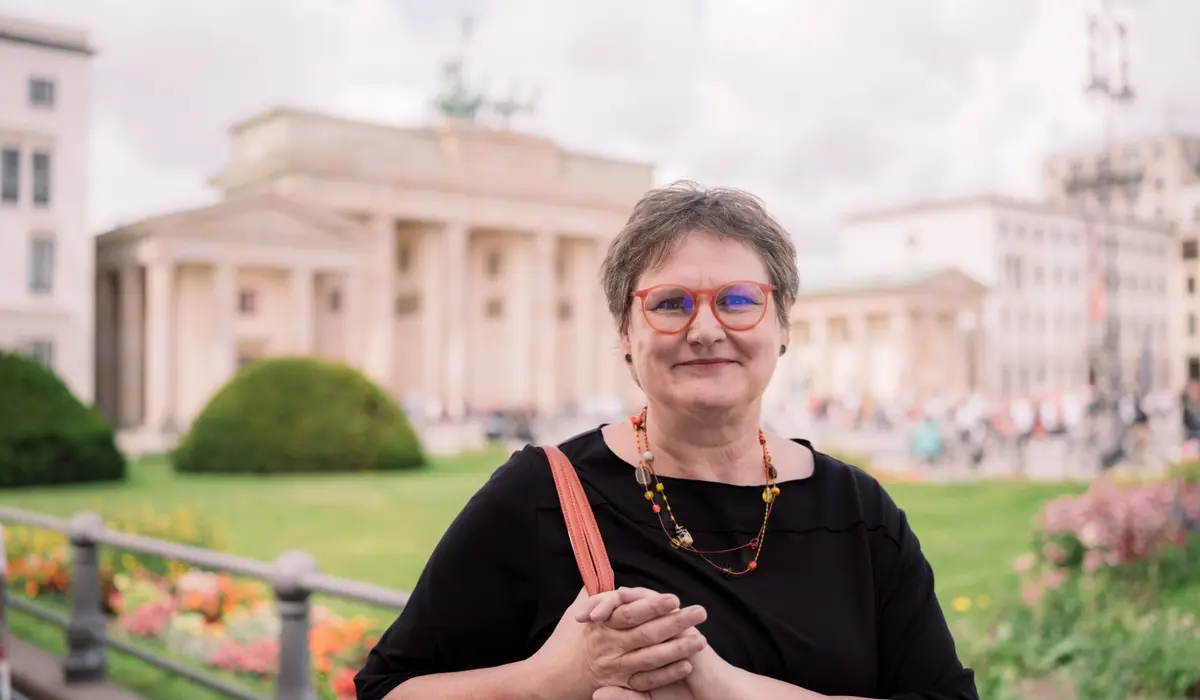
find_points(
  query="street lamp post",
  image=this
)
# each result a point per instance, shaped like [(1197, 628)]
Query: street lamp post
[(1108, 65)]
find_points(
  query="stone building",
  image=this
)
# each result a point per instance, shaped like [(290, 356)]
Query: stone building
[(46, 250), (456, 264)]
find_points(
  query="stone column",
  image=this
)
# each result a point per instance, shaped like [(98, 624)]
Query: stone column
[(545, 321), (107, 337), (902, 338), (131, 374), (860, 334), (818, 337), (302, 311), (160, 348), (523, 328), (223, 339), (584, 306), (380, 292), (433, 268), (456, 246), (356, 314)]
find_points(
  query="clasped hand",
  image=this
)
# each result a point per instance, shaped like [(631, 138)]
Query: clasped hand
[(624, 645)]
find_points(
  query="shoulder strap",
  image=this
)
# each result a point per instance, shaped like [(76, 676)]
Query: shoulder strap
[(581, 524)]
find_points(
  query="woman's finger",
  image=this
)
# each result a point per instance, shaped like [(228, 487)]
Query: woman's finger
[(661, 655), (612, 600), (614, 693), (663, 677), (662, 628), (630, 615), (584, 613)]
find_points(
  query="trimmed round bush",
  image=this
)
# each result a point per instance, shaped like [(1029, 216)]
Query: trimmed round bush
[(299, 415), (47, 435)]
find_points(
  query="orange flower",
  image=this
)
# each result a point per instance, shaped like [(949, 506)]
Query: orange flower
[(31, 588), (343, 683)]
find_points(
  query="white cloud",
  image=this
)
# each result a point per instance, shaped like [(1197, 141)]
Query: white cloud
[(818, 107)]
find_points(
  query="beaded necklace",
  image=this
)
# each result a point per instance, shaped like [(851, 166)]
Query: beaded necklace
[(647, 478)]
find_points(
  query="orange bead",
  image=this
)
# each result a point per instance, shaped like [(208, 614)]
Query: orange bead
[(657, 508), (775, 490)]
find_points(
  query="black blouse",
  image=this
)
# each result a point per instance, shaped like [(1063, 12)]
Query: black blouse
[(842, 602)]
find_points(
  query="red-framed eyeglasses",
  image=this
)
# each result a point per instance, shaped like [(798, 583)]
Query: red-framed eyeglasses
[(738, 306)]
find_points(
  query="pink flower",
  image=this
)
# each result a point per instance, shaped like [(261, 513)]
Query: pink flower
[(1023, 563), (260, 656), (1093, 560), (1031, 593)]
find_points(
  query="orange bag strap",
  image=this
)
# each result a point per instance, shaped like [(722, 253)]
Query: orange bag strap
[(581, 524)]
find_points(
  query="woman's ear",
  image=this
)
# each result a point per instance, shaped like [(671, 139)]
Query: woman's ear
[(627, 356)]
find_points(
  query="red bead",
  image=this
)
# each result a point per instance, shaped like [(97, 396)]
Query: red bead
[(752, 565), (636, 420), (657, 508)]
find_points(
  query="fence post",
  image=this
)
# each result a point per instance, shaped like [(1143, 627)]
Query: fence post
[(87, 659), (295, 667)]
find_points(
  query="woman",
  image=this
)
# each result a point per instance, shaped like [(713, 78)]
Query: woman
[(750, 566)]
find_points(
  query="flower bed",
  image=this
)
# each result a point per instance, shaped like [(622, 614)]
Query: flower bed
[(212, 619), (233, 625), (1108, 597)]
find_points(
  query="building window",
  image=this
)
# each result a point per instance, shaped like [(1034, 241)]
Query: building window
[(493, 264), (1191, 285), (1190, 249), (41, 179), (247, 302), (494, 308), (41, 264), (1191, 325), (407, 304), (335, 300), (42, 350), (1012, 271), (403, 258), (41, 92), (10, 175), (564, 310)]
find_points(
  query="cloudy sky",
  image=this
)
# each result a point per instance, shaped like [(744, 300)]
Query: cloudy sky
[(821, 107)]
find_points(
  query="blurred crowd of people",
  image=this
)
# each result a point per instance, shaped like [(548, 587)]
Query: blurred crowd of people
[(974, 427)]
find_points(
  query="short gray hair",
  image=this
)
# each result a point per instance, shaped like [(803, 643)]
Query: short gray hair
[(665, 216)]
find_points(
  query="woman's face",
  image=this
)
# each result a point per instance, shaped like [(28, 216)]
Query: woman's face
[(706, 366)]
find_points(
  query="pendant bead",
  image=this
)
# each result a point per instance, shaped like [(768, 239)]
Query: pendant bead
[(681, 538)]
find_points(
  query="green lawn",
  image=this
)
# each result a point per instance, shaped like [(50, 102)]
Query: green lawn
[(380, 528)]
